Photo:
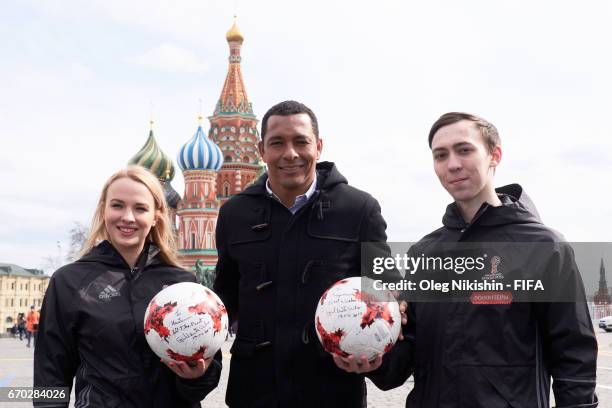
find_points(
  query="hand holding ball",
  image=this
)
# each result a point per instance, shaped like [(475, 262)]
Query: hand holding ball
[(185, 322), (358, 320)]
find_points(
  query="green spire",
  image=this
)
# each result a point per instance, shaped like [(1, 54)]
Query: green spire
[(151, 157)]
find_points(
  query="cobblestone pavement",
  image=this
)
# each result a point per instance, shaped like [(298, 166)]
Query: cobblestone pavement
[(16, 370)]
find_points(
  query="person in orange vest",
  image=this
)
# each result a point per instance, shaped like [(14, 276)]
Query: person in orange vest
[(32, 326)]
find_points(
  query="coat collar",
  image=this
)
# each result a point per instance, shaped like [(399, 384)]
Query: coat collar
[(516, 208), (328, 176)]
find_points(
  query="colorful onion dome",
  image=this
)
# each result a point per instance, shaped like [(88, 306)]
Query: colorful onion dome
[(200, 153), (234, 34), (151, 157)]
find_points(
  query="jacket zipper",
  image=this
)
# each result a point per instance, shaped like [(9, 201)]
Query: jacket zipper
[(476, 217)]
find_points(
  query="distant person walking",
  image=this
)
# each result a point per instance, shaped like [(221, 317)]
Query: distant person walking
[(21, 325), (32, 326)]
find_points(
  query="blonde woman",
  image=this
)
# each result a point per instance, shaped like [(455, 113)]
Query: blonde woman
[(91, 324)]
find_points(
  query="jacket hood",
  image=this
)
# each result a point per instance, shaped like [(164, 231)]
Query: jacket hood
[(106, 253), (327, 177), (516, 208)]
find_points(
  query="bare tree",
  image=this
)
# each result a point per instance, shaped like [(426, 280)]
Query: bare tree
[(78, 236), (54, 262)]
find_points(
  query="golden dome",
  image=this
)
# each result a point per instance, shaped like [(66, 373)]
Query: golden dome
[(234, 33)]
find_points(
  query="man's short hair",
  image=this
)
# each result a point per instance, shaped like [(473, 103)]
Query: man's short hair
[(288, 108), (487, 129)]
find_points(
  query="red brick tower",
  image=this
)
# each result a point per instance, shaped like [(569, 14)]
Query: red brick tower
[(233, 127), (215, 167), (200, 159)]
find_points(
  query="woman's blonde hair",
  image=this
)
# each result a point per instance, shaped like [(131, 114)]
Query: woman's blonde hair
[(161, 234)]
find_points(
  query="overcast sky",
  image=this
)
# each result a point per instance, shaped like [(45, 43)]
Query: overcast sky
[(77, 80)]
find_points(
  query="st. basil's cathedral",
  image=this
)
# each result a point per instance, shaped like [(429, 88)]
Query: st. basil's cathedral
[(215, 166)]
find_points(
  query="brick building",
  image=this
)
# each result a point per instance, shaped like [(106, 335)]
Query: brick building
[(20, 288)]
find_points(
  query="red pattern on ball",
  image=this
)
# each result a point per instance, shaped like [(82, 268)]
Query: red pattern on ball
[(179, 357), (156, 317), (331, 341), (214, 309), (374, 309)]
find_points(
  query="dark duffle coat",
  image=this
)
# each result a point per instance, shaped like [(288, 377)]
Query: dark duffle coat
[(273, 267)]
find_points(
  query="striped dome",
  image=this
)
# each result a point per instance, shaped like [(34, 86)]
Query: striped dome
[(200, 153), (151, 157)]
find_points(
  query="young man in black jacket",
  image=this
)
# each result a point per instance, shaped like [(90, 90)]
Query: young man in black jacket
[(282, 242), (492, 355)]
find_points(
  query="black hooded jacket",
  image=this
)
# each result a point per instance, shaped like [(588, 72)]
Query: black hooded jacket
[(91, 329), (273, 267), (497, 355)]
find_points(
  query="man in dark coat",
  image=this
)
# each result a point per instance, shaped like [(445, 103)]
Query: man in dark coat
[(282, 242), (492, 355)]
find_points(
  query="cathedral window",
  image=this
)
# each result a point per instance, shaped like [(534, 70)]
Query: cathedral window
[(226, 189), (208, 239)]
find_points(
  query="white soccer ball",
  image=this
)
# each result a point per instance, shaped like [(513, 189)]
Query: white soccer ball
[(350, 320), (185, 322)]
